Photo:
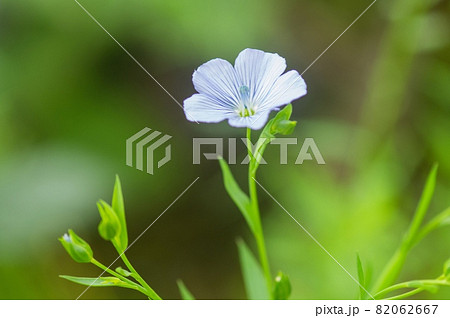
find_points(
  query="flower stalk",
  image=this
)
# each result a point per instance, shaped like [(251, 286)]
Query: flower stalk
[(258, 230), (149, 291), (124, 279)]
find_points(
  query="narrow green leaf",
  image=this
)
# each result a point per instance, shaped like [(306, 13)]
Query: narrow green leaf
[(395, 264), (241, 199), (361, 279), (124, 272), (184, 292), (119, 208), (423, 204), (255, 284), (98, 282), (282, 287)]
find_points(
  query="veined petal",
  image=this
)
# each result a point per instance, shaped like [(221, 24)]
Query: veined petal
[(287, 88), (258, 71), (217, 79), (254, 122), (201, 108)]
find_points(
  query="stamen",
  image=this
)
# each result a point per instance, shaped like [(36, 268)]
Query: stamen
[(245, 98)]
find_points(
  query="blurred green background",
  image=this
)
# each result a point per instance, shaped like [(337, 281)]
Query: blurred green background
[(377, 107)]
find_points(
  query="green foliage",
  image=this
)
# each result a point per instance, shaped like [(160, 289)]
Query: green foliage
[(281, 123), (97, 282), (238, 196), (257, 276), (417, 286), (119, 209), (184, 292), (414, 235), (123, 272), (282, 287), (109, 226), (360, 199), (361, 278), (78, 249), (440, 220), (394, 266), (252, 274), (422, 206)]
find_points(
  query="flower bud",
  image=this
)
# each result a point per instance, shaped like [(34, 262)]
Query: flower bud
[(284, 127), (109, 226), (77, 248), (282, 287)]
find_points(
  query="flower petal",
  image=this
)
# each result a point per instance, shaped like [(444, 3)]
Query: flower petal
[(287, 88), (254, 122), (258, 71), (217, 79), (201, 108)]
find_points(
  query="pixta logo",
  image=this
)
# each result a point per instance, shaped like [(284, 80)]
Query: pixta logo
[(307, 151), (143, 145)]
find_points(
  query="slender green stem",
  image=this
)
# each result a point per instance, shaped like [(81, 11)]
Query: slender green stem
[(126, 280), (151, 293), (406, 295), (249, 146), (258, 234), (393, 267), (436, 222), (426, 282)]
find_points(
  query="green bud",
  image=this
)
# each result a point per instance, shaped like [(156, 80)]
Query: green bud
[(284, 127), (77, 248), (282, 287), (280, 124), (109, 227)]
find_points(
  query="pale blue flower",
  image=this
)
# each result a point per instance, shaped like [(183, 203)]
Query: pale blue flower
[(244, 94)]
